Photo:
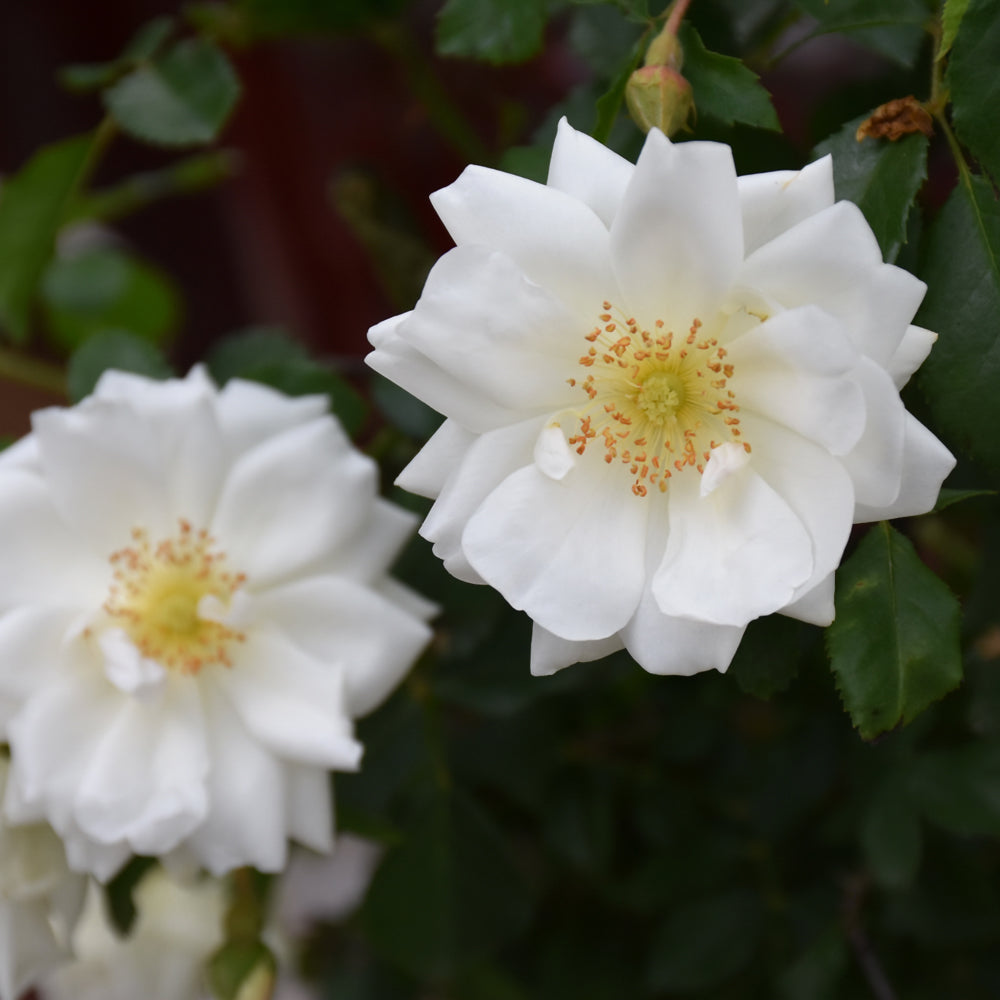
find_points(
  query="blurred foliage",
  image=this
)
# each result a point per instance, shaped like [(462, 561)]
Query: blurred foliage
[(604, 833)]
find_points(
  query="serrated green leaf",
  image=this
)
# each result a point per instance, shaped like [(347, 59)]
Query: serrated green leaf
[(891, 836), (182, 98), (959, 789), (961, 265), (702, 944), (448, 895), (112, 349), (881, 177), (32, 205), (975, 83), (894, 645), (496, 31), (951, 19), (724, 87), (107, 290)]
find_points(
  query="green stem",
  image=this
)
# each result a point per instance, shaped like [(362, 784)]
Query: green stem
[(16, 367), (450, 123)]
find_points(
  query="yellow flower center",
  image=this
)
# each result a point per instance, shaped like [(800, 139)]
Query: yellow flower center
[(156, 592), (657, 402)]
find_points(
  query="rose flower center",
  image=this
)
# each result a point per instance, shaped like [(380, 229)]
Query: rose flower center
[(157, 593), (657, 402)]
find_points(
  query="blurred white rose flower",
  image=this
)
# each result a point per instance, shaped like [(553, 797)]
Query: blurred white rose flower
[(177, 927), (193, 609), (670, 392), (40, 900)]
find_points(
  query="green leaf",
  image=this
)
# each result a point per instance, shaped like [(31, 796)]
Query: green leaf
[(959, 789), (895, 28), (182, 98), (497, 31), (951, 19), (961, 265), (277, 18), (448, 895), (891, 835), (817, 973), (268, 355), (703, 944), (894, 645), (947, 497), (144, 45), (768, 657), (881, 177), (112, 349), (975, 82), (107, 290), (119, 893), (32, 205), (724, 88), (610, 102)]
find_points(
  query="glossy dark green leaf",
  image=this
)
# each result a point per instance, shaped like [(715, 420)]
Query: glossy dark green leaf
[(496, 31), (112, 349), (724, 87), (32, 205), (891, 836), (702, 944), (961, 265), (894, 646), (959, 789), (107, 290), (881, 177), (448, 895), (975, 82), (182, 98)]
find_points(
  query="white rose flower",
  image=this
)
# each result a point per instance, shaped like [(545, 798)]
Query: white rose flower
[(194, 607), (670, 392), (40, 900), (177, 928)]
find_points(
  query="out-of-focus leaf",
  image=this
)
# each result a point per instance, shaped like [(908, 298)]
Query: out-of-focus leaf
[(724, 87), (270, 356), (951, 20), (891, 836), (817, 972), (895, 28), (146, 42), (947, 497), (107, 290), (112, 349), (975, 82), (446, 896), (404, 411), (881, 177), (497, 31), (703, 944), (182, 98), (32, 206), (894, 645), (276, 18), (960, 789), (118, 893), (961, 266), (610, 102), (768, 658)]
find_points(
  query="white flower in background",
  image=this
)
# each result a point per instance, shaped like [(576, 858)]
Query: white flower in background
[(194, 607), (177, 927), (40, 900), (670, 392)]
